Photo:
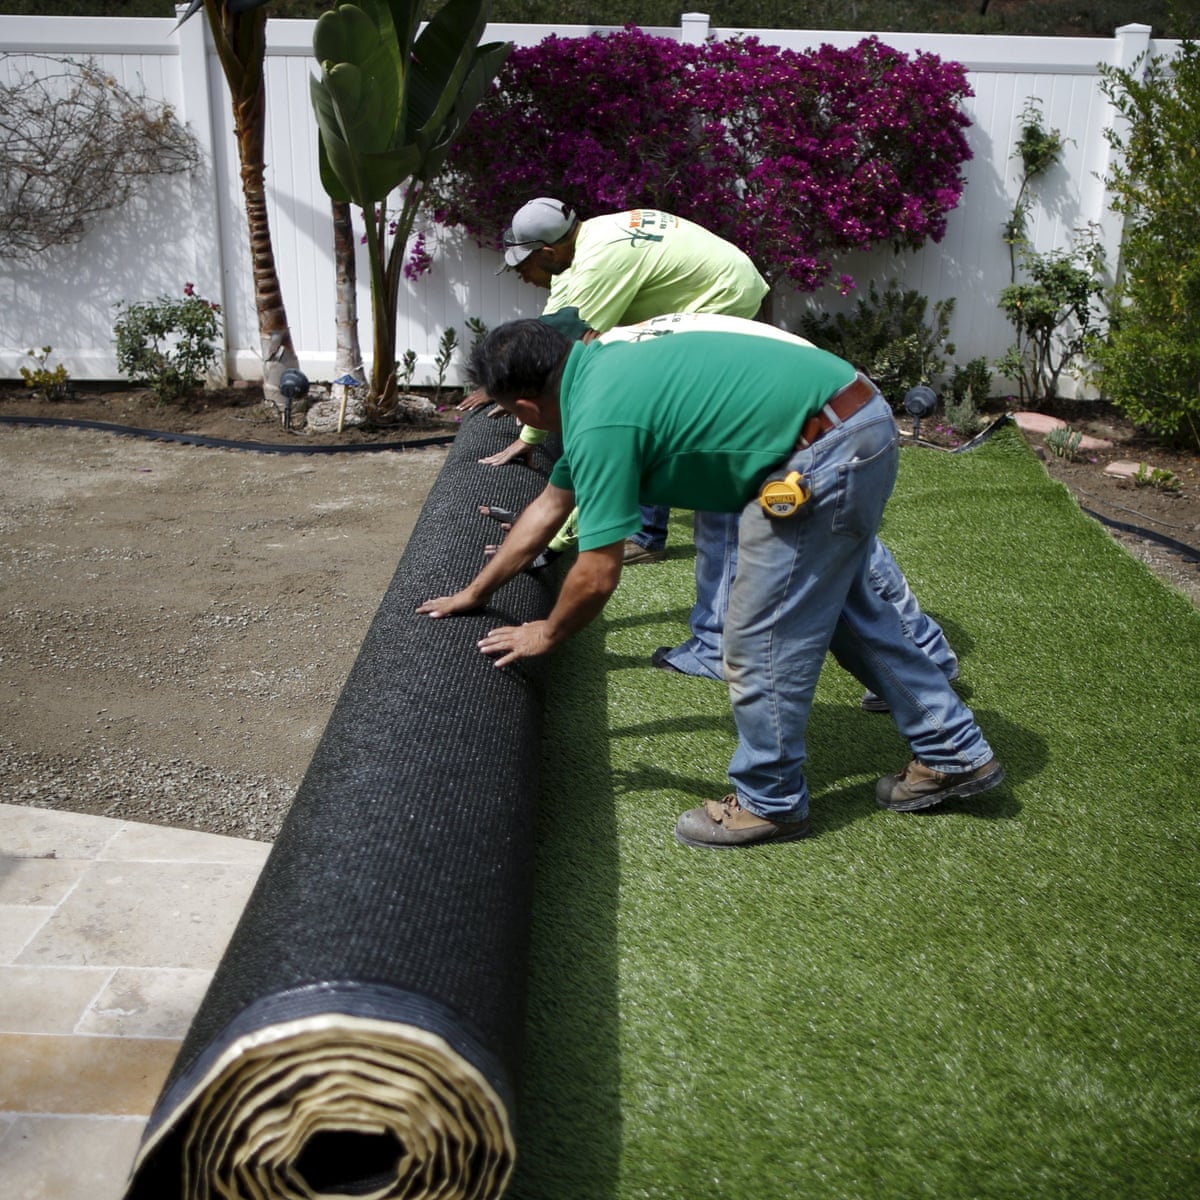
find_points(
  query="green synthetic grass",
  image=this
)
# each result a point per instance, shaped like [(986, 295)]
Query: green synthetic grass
[(995, 998)]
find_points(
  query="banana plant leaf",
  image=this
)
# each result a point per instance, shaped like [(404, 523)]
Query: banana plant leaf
[(442, 59), (363, 73), (490, 59), (384, 117)]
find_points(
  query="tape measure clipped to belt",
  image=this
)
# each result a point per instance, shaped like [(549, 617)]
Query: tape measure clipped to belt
[(784, 497)]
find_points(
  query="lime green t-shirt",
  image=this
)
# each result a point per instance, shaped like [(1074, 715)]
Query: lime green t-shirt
[(689, 421), (634, 265)]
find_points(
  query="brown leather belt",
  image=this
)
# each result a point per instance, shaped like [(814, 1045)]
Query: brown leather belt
[(844, 405)]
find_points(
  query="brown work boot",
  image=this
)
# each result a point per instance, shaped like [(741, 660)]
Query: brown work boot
[(919, 786), (634, 552), (722, 824)]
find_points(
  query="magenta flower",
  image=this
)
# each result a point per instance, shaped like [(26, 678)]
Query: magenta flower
[(797, 158)]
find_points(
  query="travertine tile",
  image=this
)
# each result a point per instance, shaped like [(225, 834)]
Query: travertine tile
[(141, 1002), (47, 999), (68, 1158), (109, 933), (145, 915), (36, 832), (104, 1076), (18, 924), (157, 843), (35, 881)]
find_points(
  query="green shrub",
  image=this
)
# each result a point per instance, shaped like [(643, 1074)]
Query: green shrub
[(405, 369), (1064, 442), (887, 337), (1053, 299), (1149, 363), (442, 360), (1056, 315), (170, 345), (50, 383), (964, 394), (1157, 477), (970, 383)]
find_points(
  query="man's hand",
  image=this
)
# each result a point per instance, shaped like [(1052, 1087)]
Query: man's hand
[(512, 642), (476, 399), (510, 453), (450, 606), (528, 538)]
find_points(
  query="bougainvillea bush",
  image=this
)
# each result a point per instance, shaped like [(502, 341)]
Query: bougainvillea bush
[(795, 157)]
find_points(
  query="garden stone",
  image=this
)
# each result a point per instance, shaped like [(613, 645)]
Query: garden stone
[(323, 416)]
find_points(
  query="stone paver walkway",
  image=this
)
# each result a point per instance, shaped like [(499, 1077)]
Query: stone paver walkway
[(109, 934)]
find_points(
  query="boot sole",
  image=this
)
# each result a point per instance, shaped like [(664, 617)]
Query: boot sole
[(803, 831), (969, 787)]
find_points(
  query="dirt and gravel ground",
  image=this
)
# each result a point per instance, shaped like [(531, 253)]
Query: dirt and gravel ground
[(177, 621)]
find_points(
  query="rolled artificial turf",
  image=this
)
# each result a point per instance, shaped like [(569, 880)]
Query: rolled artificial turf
[(362, 1033)]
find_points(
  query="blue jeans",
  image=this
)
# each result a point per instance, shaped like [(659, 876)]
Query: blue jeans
[(653, 533), (921, 629), (803, 588), (716, 536)]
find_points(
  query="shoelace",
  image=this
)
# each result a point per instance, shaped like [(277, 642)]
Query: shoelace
[(730, 806)]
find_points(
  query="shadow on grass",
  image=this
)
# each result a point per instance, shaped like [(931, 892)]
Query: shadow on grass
[(845, 745), (956, 634), (849, 749), (569, 1131)]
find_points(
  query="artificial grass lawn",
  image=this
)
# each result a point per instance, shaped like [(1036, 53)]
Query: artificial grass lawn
[(995, 998)]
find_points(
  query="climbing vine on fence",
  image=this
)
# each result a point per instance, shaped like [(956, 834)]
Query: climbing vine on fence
[(795, 157)]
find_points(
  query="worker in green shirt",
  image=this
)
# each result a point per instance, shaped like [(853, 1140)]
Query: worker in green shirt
[(885, 574), (809, 466)]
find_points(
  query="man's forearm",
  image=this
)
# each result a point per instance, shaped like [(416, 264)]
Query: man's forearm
[(529, 536), (591, 580), (588, 585)]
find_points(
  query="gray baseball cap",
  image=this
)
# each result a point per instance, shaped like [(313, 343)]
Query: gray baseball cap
[(541, 222)]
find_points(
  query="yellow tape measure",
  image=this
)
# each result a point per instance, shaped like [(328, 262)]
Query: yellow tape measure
[(784, 497)]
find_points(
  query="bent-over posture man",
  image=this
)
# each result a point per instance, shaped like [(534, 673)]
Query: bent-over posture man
[(810, 466), (619, 269)]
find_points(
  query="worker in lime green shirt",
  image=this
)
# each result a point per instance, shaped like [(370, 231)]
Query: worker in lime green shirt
[(620, 269)]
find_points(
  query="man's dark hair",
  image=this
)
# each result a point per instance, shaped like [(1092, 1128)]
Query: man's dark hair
[(519, 360)]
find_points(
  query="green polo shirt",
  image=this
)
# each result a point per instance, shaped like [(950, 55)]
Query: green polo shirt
[(694, 420)]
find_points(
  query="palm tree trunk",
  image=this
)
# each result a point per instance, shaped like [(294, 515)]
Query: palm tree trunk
[(241, 41), (349, 353)]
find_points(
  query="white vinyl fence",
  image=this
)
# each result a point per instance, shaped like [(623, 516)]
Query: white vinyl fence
[(193, 229)]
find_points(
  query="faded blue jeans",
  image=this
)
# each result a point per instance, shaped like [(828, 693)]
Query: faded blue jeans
[(653, 533), (803, 588), (919, 627), (716, 536)]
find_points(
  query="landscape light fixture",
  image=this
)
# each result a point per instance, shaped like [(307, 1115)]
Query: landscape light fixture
[(294, 386), (919, 402)]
